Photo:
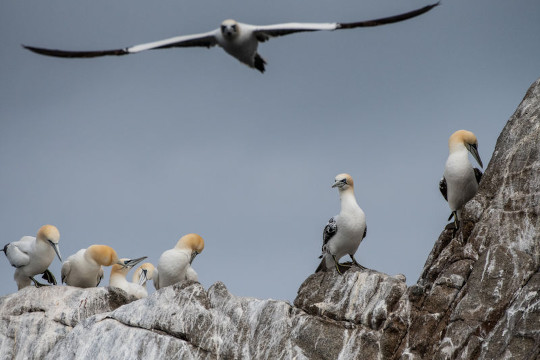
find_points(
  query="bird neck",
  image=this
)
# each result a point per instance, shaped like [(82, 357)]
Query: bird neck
[(117, 278), (348, 200)]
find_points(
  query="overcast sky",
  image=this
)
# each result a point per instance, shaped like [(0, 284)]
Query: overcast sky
[(136, 151)]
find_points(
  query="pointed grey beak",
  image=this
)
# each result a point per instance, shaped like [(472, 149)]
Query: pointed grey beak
[(56, 249), (474, 151), (193, 255), (143, 278), (335, 184), (132, 262)]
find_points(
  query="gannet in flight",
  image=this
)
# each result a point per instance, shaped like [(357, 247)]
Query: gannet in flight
[(33, 255), (174, 264), (144, 273), (118, 279), (460, 181), (84, 268), (344, 232), (237, 39)]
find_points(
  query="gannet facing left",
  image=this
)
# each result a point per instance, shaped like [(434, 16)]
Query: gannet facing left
[(33, 255), (174, 265), (460, 180), (84, 268), (344, 232), (237, 39), (118, 279), (144, 273)]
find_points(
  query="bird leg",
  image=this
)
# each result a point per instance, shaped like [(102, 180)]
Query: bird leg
[(47, 275), (38, 284), (338, 265), (356, 262)]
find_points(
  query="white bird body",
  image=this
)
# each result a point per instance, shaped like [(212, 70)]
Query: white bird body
[(174, 265), (237, 39), (33, 255), (460, 180), (118, 279), (344, 232)]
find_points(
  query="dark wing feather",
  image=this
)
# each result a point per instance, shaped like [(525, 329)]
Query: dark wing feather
[(387, 20), (478, 175), (76, 54), (443, 188)]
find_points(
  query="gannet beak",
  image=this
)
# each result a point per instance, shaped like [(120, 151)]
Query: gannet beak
[(142, 278), (336, 184), (56, 249), (193, 254), (473, 149), (132, 262)]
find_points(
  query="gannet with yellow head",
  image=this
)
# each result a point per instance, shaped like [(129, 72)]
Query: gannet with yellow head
[(237, 39), (84, 268), (460, 181), (118, 279), (174, 264), (33, 255), (144, 273), (344, 232)]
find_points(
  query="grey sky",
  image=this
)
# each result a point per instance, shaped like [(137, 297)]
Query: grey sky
[(136, 151)]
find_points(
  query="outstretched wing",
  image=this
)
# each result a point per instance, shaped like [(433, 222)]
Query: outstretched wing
[(205, 40), (443, 188), (263, 33)]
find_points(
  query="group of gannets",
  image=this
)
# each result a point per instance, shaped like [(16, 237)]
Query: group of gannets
[(32, 256), (237, 39), (342, 235)]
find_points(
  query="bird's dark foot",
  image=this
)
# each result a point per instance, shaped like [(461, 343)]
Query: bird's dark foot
[(47, 275), (37, 283), (356, 263)]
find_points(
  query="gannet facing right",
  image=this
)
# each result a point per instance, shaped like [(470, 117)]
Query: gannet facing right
[(174, 265), (118, 279), (344, 232), (460, 181), (237, 39), (84, 268), (33, 255)]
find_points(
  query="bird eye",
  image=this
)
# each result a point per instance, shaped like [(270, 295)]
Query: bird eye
[(222, 27), (344, 181), (234, 27)]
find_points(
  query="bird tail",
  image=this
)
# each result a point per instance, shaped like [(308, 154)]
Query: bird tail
[(259, 63), (322, 265)]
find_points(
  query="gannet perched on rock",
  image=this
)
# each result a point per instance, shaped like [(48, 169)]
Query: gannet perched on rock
[(237, 39), (460, 181), (84, 268), (344, 232), (118, 279), (33, 255), (174, 265)]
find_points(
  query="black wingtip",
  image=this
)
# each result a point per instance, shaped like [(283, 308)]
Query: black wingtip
[(259, 63)]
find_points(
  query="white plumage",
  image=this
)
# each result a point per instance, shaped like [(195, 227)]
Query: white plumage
[(118, 279)]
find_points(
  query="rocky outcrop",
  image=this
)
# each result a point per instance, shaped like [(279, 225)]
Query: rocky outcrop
[(477, 298)]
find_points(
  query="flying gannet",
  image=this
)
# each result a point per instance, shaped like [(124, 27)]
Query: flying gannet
[(33, 255), (237, 39), (460, 181), (84, 268), (118, 279), (344, 232), (174, 264)]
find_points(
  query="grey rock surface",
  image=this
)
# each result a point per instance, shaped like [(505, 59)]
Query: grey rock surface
[(477, 298)]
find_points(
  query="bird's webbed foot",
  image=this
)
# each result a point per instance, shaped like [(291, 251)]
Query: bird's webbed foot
[(47, 275), (37, 283), (356, 262)]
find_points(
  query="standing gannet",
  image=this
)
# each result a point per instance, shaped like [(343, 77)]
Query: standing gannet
[(344, 232), (118, 279), (460, 181), (33, 255), (237, 39), (144, 273), (174, 264), (84, 268)]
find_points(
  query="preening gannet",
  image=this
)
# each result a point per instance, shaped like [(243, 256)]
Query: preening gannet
[(33, 255), (344, 232), (174, 264), (144, 273), (118, 279), (84, 268), (237, 39), (460, 181)]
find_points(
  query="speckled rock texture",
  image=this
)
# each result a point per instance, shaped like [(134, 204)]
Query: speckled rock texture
[(477, 298)]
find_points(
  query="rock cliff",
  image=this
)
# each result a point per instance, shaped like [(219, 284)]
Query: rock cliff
[(477, 298)]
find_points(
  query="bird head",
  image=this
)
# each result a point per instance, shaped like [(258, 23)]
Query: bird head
[(229, 29), (343, 182), (467, 139), (50, 235), (143, 273), (192, 242)]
